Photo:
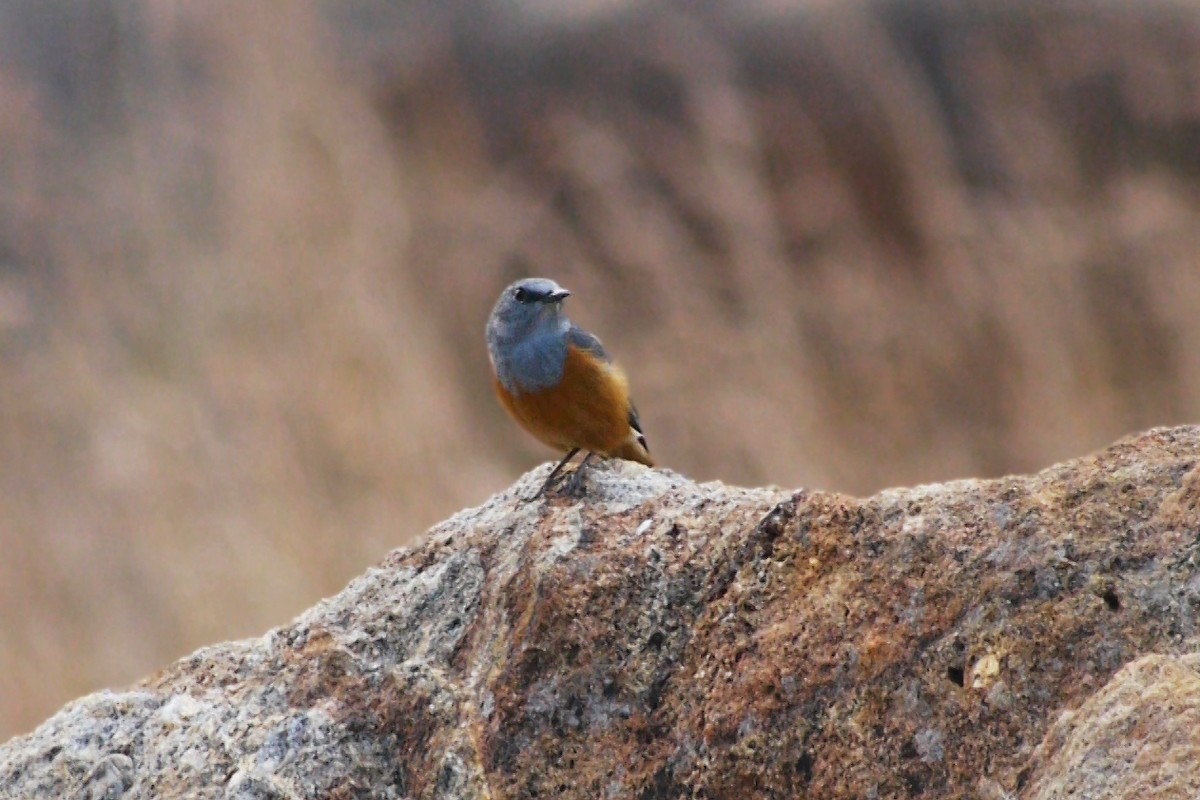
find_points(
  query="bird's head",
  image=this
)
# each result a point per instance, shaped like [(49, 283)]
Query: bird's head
[(526, 306)]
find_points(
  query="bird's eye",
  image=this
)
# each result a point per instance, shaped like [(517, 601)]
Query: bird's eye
[(521, 294)]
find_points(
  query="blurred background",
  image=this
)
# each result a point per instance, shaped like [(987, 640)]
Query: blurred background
[(247, 251)]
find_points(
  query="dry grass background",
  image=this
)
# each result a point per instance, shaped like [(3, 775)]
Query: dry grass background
[(246, 255)]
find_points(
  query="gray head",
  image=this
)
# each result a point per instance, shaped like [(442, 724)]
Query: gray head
[(527, 335)]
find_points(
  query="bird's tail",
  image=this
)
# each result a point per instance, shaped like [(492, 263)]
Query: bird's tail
[(633, 451)]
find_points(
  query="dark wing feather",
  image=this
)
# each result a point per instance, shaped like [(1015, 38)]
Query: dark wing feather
[(580, 338), (636, 424)]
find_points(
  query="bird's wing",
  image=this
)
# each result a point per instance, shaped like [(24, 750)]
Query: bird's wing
[(580, 338), (636, 424)]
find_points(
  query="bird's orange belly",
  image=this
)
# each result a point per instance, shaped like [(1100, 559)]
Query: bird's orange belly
[(589, 408)]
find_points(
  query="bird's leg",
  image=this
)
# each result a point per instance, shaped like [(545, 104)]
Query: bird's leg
[(554, 474), (576, 482)]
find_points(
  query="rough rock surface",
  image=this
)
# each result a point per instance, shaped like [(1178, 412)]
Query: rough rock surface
[(662, 639), (1139, 737)]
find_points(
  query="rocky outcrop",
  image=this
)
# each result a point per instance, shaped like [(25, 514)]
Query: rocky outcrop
[(1139, 737), (1023, 637)]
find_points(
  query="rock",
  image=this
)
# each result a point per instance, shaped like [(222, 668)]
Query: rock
[(660, 638), (1137, 737)]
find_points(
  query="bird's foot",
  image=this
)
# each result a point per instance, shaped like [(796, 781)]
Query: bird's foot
[(574, 487), (556, 477), (550, 487)]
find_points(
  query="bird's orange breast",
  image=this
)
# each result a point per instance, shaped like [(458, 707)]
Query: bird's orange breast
[(588, 409)]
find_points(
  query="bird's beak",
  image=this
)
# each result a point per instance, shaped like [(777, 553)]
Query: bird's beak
[(559, 296)]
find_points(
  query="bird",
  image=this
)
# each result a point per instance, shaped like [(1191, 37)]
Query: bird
[(558, 382)]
